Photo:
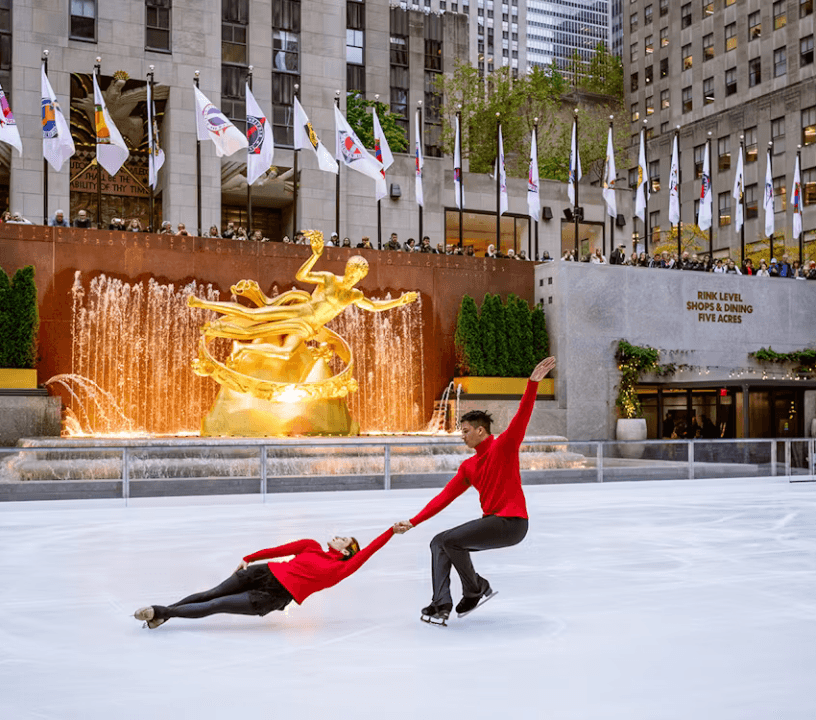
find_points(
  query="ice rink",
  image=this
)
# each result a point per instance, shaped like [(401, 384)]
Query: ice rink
[(629, 601)]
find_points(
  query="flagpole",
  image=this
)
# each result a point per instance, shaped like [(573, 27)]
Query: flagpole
[(461, 174), (773, 196), (742, 203), (575, 185), (379, 200), (679, 225), (151, 150), (337, 182), (249, 185), (711, 192), (646, 191), (801, 235), (295, 179), (498, 184), (198, 168), (98, 73), (611, 219), (422, 152), (45, 162), (538, 210)]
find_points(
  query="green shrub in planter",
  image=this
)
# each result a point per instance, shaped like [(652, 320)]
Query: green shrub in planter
[(19, 319)]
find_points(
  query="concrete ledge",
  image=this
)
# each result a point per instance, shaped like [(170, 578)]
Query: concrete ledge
[(28, 416)]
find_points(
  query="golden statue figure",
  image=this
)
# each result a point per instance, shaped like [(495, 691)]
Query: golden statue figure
[(277, 379)]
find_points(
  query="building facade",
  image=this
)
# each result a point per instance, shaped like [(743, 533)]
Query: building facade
[(724, 71)]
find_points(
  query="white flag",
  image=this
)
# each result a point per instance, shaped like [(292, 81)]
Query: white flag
[(502, 177), (610, 174), (704, 214), (575, 164), (533, 195), (420, 198), (212, 124), (642, 193), (58, 145), (738, 192), (260, 145), (381, 150), (156, 156), (674, 185), (354, 155), (306, 137), (111, 151), (458, 188), (796, 196), (9, 133), (768, 204)]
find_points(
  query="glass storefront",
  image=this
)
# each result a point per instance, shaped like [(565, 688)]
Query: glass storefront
[(479, 231)]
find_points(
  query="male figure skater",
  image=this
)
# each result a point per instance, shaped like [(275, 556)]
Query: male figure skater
[(494, 472), (260, 589)]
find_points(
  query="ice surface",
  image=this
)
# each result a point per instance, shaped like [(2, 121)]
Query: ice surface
[(627, 601)]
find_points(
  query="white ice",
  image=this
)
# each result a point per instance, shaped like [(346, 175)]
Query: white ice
[(628, 601)]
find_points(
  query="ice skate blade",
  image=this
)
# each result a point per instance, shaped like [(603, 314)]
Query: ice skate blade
[(434, 620), (484, 599)]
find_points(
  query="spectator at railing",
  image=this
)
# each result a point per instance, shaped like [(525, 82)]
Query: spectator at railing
[(440, 249), (365, 243), (334, 240), (241, 234), (731, 268), (258, 236), (182, 229), (798, 271), (763, 269), (393, 243), (82, 220), (597, 257), (117, 224), (546, 257), (166, 228), (470, 252), (134, 225), (212, 232), (59, 220), (17, 219), (618, 255), (773, 270), (785, 269), (229, 231), (811, 273), (748, 267), (346, 242), (286, 240), (719, 268), (410, 245), (425, 246)]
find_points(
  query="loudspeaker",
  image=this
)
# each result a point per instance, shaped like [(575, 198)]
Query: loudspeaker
[(395, 191), (568, 214), (620, 221), (546, 212)]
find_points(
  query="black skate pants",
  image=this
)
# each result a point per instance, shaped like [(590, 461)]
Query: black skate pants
[(453, 547), (254, 591)]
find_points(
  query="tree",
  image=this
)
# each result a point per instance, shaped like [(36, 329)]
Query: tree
[(19, 319), (469, 355), (603, 74), (519, 337), (541, 339), (6, 321), (362, 122)]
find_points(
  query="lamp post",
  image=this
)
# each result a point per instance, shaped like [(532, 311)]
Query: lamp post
[(45, 162), (98, 72), (196, 75)]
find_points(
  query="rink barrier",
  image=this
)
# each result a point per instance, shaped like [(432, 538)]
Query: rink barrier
[(125, 468)]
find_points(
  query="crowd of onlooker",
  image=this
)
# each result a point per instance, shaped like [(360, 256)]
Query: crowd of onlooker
[(672, 261)]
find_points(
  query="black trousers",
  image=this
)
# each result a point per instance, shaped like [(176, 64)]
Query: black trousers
[(253, 591), (453, 547)]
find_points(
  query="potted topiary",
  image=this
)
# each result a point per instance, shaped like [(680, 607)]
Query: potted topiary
[(632, 361), (19, 323)]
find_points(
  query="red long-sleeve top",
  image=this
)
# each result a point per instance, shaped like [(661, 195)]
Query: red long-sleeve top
[(493, 470), (313, 568)]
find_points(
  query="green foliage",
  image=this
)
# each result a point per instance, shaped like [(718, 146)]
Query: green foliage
[(632, 361), (806, 359), (603, 74), (541, 338), (494, 338), (19, 319), (519, 337), (362, 122), (469, 355)]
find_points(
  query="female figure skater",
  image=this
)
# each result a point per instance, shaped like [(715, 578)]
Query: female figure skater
[(259, 589)]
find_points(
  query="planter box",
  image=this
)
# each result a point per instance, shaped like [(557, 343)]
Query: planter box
[(18, 379), (501, 386)]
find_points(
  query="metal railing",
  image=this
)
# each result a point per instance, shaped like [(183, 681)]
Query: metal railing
[(212, 467)]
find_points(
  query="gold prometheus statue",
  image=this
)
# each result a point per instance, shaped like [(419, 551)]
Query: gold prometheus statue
[(277, 379)]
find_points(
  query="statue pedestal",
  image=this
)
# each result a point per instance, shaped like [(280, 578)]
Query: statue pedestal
[(236, 414)]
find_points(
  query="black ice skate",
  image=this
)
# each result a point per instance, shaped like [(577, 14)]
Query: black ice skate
[(468, 605), (436, 614)]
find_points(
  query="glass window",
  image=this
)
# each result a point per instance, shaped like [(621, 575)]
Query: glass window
[(780, 62), (728, 3), (664, 37), (708, 91), (724, 207), (355, 42), (664, 127), (654, 175), (708, 8), (688, 105), (633, 52), (83, 19), (285, 68), (633, 82), (751, 150), (664, 8), (780, 18), (633, 22), (754, 72), (647, 14), (809, 186), (805, 8), (806, 50), (809, 125), (708, 47), (648, 45), (685, 15), (233, 94), (730, 82), (778, 136), (664, 67), (724, 153), (650, 105), (780, 194), (699, 152), (688, 58), (648, 74), (664, 100), (234, 43), (285, 46), (730, 37), (635, 113), (751, 202), (157, 24), (754, 26), (355, 79)]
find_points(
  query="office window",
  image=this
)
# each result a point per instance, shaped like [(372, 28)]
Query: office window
[(285, 68), (805, 8), (83, 20), (234, 22), (399, 67), (751, 150), (633, 52), (648, 45), (708, 8), (750, 201), (665, 102), (664, 8), (728, 3), (809, 125), (778, 136), (688, 58), (635, 112), (432, 115), (754, 26), (233, 94), (157, 24), (633, 22), (730, 82), (650, 105), (633, 82), (649, 133), (724, 207), (806, 50), (754, 72), (633, 176), (708, 47), (685, 15), (699, 152), (780, 62), (355, 35), (809, 186), (5, 42), (635, 139), (780, 194), (780, 18), (654, 175), (724, 153), (730, 37), (654, 227), (688, 105), (664, 127), (648, 74), (664, 37), (708, 91), (647, 14)]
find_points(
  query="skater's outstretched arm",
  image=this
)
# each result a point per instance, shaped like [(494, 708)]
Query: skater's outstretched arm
[(292, 548), (356, 561), (518, 425), (457, 485)]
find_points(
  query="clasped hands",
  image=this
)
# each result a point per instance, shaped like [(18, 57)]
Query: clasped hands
[(401, 527)]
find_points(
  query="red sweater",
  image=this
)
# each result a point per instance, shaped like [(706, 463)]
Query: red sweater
[(493, 470), (314, 568)]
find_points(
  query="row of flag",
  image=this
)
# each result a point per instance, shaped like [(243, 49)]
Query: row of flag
[(705, 211)]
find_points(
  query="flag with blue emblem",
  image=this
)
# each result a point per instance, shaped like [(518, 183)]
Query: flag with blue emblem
[(58, 145)]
